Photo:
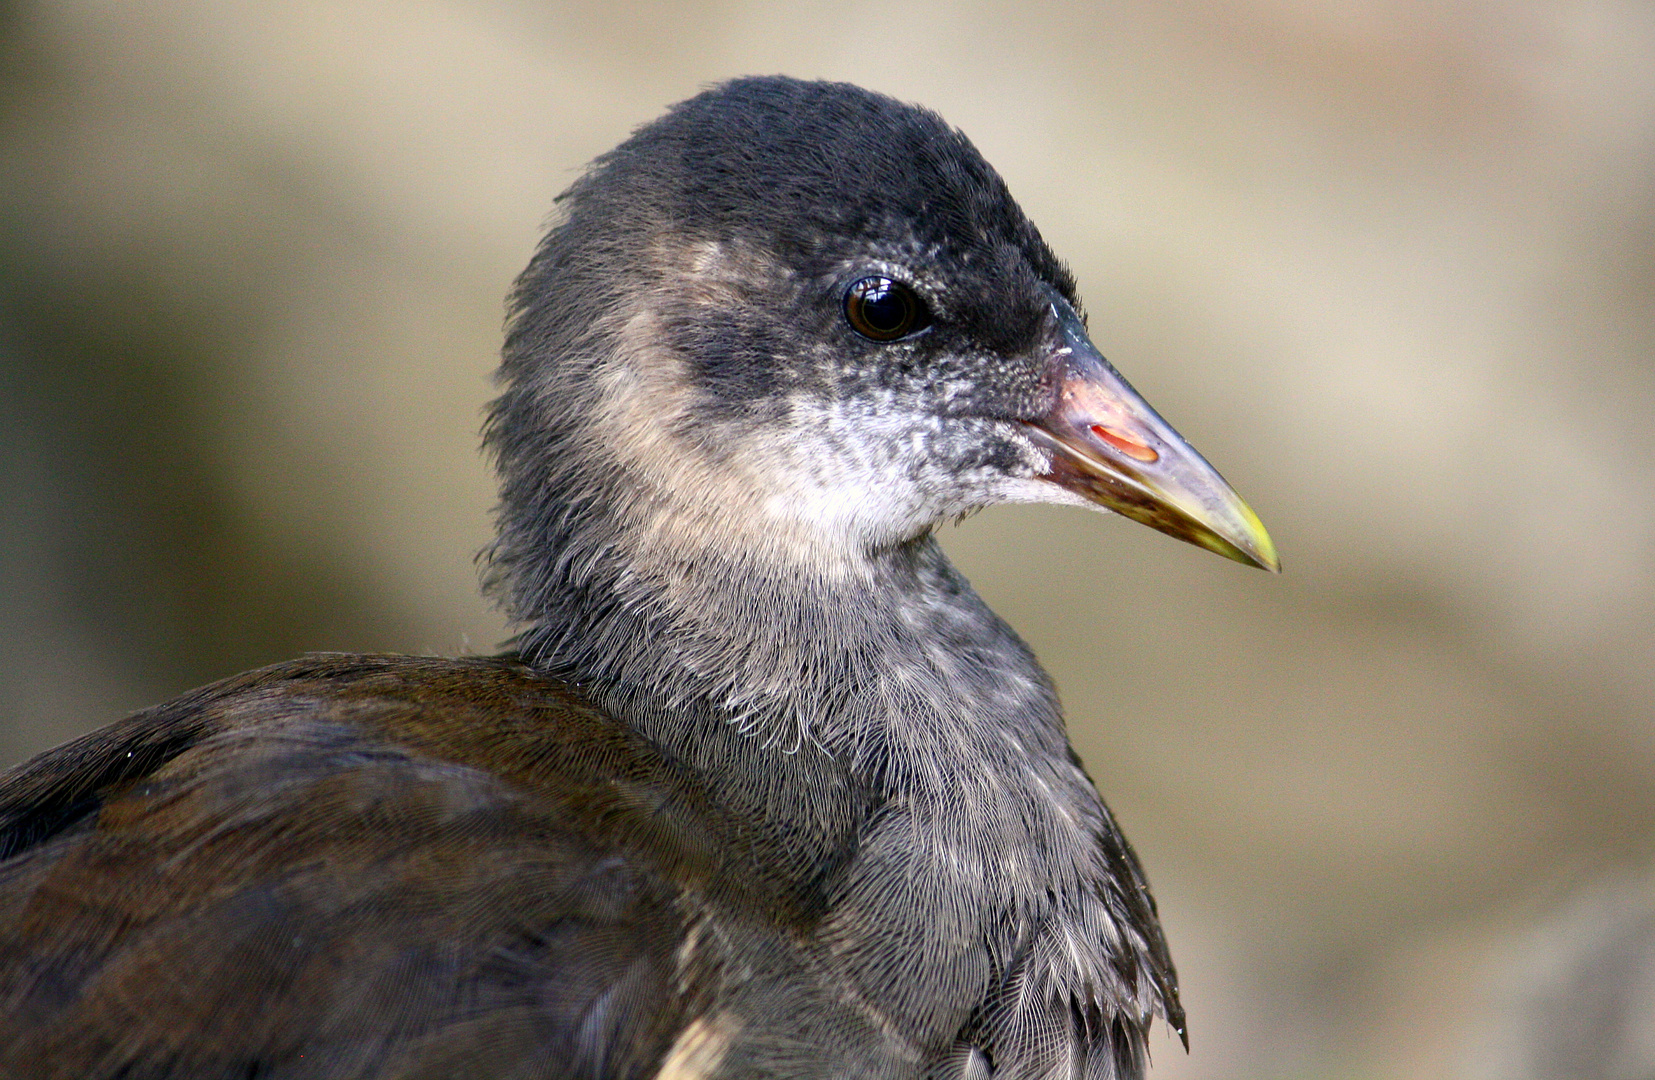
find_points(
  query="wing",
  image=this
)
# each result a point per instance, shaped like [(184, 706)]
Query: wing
[(348, 866)]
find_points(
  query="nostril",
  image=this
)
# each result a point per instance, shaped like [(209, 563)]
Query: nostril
[(1131, 446)]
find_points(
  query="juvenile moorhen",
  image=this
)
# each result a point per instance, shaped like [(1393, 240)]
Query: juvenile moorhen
[(762, 789)]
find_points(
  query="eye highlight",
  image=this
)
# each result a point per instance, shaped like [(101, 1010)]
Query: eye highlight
[(882, 309)]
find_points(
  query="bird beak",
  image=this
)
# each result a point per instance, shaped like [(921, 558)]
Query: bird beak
[(1109, 446)]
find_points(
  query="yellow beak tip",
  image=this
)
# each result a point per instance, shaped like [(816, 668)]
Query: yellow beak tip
[(1261, 550)]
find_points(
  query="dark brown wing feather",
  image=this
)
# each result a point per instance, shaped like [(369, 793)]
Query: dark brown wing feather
[(351, 866)]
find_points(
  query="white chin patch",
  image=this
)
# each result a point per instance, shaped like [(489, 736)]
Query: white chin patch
[(1033, 490), (854, 511)]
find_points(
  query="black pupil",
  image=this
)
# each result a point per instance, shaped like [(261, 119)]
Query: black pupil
[(885, 305)]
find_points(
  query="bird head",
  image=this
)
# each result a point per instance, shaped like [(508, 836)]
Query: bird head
[(807, 319)]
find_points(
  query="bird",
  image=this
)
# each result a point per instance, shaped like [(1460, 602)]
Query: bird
[(760, 787)]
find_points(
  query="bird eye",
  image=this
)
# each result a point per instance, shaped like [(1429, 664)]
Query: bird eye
[(883, 310)]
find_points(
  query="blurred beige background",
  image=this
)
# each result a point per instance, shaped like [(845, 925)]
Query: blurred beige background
[(1389, 264)]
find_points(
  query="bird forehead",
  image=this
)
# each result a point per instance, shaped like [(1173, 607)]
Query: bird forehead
[(805, 165)]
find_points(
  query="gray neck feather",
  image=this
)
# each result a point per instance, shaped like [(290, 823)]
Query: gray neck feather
[(892, 681)]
